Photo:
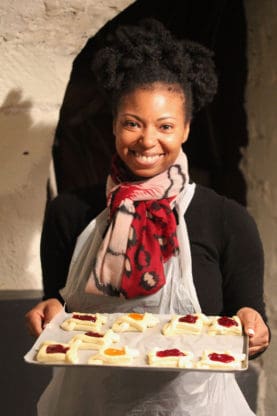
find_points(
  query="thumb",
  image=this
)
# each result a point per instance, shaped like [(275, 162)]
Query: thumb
[(248, 320), (51, 310)]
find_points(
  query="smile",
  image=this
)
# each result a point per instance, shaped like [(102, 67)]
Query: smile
[(147, 158)]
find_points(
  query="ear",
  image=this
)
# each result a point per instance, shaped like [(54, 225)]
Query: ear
[(186, 132)]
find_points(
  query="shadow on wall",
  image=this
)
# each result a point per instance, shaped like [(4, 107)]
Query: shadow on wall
[(25, 154)]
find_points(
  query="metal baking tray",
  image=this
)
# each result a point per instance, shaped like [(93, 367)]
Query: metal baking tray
[(144, 342)]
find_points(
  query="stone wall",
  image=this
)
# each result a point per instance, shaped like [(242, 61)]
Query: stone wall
[(259, 167), (38, 42)]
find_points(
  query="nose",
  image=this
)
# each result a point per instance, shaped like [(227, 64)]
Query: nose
[(148, 137)]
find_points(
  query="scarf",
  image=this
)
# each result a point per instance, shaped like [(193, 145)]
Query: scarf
[(141, 233)]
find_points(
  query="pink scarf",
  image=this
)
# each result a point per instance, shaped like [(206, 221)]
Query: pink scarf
[(141, 235)]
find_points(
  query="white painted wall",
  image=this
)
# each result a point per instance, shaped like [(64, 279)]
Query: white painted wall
[(38, 42)]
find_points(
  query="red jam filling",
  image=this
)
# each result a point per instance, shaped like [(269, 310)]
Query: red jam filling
[(190, 319), (56, 348), (174, 352), (84, 317), (223, 358), (228, 322), (94, 334)]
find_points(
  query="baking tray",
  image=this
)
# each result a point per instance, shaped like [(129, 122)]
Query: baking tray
[(144, 342)]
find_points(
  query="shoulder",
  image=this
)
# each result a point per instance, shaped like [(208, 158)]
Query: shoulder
[(75, 209), (219, 217), (91, 198), (207, 200)]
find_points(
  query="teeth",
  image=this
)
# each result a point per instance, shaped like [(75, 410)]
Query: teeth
[(147, 158)]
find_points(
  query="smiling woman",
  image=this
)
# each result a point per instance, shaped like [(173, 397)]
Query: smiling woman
[(151, 241), (150, 127)]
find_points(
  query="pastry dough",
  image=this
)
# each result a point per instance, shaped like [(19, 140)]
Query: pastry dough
[(58, 352), (224, 325), (221, 360), (95, 340), (187, 324), (135, 322), (84, 322), (115, 356), (170, 358)]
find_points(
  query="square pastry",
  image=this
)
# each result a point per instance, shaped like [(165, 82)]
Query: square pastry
[(224, 325), (95, 340), (57, 352), (186, 324), (115, 356), (135, 322), (172, 357), (84, 322), (221, 360)]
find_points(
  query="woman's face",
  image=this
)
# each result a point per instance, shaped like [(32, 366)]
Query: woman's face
[(150, 127)]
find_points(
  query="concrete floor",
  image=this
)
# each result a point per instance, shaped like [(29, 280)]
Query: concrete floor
[(22, 383)]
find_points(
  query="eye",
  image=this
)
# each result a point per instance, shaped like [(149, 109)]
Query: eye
[(166, 127), (130, 124)]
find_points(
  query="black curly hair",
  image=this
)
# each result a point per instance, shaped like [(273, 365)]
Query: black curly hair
[(142, 54)]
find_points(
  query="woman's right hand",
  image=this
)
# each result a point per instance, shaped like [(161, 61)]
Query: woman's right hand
[(41, 315)]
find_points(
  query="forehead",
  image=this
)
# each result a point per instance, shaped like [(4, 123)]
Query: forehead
[(157, 95)]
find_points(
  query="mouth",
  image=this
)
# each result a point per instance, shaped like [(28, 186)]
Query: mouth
[(147, 159)]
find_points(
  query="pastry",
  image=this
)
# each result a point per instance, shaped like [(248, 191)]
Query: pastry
[(187, 324), (224, 325), (221, 360), (135, 322), (84, 322), (115, 356), (57, 352), (170, 358), (95, 340)]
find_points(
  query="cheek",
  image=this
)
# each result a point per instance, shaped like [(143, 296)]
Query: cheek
[(121, 145), (173, 145)]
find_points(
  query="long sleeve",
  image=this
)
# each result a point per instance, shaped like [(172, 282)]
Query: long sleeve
[(242, 261), (227, 254), (65, 217)]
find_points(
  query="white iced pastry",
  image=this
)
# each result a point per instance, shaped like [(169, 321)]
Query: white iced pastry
[(185, 324), (225, 360), (96, 340), (135, 322), (172, 357), (58, 352), (115, 356), (224, 325), (84, 322)]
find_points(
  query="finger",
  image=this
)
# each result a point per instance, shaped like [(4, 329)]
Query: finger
[(257, 349), (248, 318), (34, 322), (51, 311), (261, 340), (249, 326)]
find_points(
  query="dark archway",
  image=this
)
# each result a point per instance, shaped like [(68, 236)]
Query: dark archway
[(83, 141)]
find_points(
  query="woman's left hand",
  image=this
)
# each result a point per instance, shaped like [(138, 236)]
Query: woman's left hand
[(255, 327)]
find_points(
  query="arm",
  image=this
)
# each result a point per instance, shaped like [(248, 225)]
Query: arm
[(65, 218), (243, 268)]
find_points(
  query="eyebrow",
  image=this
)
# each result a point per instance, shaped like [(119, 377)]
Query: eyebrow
[(138, 118)]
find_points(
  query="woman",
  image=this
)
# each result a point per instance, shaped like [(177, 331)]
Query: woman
[(161, 245)]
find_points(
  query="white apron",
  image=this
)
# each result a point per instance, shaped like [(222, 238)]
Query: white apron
[(124, 392)]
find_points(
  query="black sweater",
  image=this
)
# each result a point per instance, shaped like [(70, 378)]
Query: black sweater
[(227, 255)]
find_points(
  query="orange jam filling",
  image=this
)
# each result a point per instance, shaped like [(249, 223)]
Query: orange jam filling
[(114, 351), (136, 316)]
